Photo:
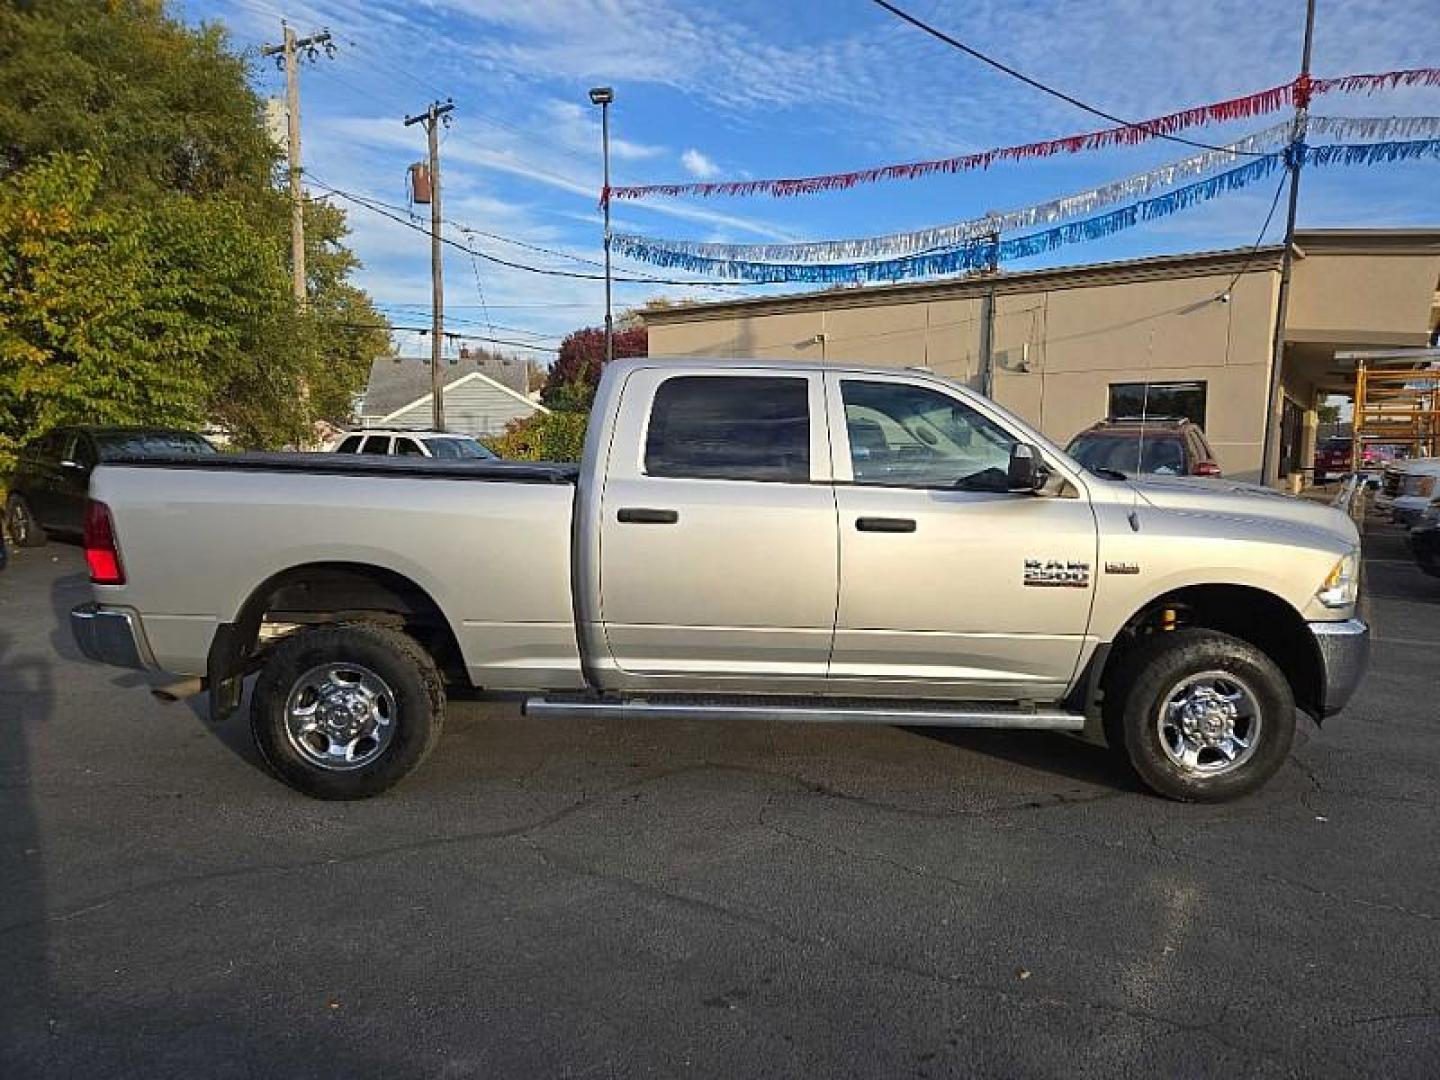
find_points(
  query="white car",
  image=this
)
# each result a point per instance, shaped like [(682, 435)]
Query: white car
[(401, 442), (1408, 488)]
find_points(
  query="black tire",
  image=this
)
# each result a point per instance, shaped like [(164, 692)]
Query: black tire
[(24, 530), (1192, 663), (415, 706)]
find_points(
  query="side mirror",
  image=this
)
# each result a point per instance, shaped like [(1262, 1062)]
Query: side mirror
[(1025, 472)]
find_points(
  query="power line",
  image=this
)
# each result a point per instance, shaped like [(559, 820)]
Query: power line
[(446, 335), (1259, 240), (955, 43), (542, 250), (376, 208)]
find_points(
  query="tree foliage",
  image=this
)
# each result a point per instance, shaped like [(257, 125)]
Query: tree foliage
[(555, 436), (144, 245), (575, 374)]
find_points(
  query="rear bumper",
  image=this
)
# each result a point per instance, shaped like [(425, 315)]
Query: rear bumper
[(1344, 656), (111, 636)]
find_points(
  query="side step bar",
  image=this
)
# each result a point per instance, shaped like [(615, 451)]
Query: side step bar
[(900, 714)]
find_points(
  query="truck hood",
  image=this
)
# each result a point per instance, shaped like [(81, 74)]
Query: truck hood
[(1234, 499)]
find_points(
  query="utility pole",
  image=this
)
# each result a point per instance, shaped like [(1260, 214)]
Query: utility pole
[(1294, 159), (289, 50), (432, 118)]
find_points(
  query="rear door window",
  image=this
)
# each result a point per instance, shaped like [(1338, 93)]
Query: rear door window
[(730, 427), (408, 447), (376, 444)]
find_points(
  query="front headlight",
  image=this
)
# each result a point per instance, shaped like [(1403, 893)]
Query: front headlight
[(1342, 584)]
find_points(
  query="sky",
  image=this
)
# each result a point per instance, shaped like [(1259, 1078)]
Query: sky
[(759, 88)]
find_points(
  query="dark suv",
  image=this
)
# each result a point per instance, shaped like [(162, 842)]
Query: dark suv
[(52, 475), (1164, 446)]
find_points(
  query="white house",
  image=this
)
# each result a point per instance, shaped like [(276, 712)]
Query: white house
[(476, 396)]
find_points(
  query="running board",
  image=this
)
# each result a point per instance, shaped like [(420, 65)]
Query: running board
[(901, 714)]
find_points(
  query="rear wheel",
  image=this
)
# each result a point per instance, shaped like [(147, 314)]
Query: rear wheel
[(345, 712), (1203, 716), (24, 529)]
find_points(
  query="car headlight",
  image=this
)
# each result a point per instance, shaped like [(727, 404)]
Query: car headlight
[(1342, 584)]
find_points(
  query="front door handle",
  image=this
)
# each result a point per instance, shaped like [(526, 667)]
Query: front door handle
[(885, 524), (644, 515)]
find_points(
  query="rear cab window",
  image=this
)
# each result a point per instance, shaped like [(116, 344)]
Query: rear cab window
[(730, 427)]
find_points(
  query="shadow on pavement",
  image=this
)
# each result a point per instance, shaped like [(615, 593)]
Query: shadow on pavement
[(26, 699), (1044, 751)]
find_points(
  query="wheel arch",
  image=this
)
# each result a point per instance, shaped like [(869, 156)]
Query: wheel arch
[(319, 593), (1261, 618)]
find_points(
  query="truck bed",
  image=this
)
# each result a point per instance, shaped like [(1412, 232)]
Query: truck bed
[(515, 472), (199, 536)]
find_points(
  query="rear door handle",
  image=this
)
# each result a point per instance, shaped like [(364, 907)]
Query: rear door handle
[(644, 515), (885, 524)]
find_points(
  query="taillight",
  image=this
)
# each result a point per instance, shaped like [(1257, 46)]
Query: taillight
[(1206, 468), (100, 551)]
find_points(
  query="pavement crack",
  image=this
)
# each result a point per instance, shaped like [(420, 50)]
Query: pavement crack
[(1006, 993)]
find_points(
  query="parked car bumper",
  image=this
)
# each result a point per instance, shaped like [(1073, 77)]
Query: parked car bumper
[(1344, 656), (1425, 545), (111, 636)]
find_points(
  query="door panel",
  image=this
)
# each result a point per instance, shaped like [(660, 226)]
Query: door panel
[(714, 575), (946, 605)]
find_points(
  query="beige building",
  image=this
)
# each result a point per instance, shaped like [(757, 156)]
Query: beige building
[(1064, 348)]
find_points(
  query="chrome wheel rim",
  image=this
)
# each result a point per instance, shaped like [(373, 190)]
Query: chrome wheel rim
[(340, 716), (20, 524), (1209, 724)]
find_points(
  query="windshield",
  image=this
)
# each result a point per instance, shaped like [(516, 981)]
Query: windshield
[(459, 446), (151, 444), (1164, 454)]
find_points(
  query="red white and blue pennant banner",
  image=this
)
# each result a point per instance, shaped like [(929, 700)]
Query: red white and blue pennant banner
[(896, 245), (1298, 92), (977, 253)]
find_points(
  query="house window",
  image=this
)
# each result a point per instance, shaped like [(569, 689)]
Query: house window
[(729, 427), (1176, 400)]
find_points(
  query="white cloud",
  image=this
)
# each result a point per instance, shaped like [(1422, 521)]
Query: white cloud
[(698, 165)]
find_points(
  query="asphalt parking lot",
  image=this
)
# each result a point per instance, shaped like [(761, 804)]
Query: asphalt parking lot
[(568, 899)]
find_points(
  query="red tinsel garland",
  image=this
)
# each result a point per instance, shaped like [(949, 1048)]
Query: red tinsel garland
[(1296, 92)]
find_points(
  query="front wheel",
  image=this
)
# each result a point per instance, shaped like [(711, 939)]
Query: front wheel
[(1204, 716), (345, 712)]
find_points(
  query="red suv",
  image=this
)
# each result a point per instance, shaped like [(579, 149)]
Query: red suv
[(1163, 446), (1332, 457)]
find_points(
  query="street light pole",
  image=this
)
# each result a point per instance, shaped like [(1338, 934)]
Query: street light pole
[(603, 96)]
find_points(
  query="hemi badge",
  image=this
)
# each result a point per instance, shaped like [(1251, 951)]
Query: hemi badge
[(1122, 568)]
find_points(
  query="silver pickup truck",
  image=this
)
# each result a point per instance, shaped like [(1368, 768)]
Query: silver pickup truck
[(741, 540)]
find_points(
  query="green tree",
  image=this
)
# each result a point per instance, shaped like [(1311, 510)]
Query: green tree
[(144, 245), (161, 106)]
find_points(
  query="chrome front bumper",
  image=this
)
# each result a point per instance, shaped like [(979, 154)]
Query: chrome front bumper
[(1344, 655), (111, 636)]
